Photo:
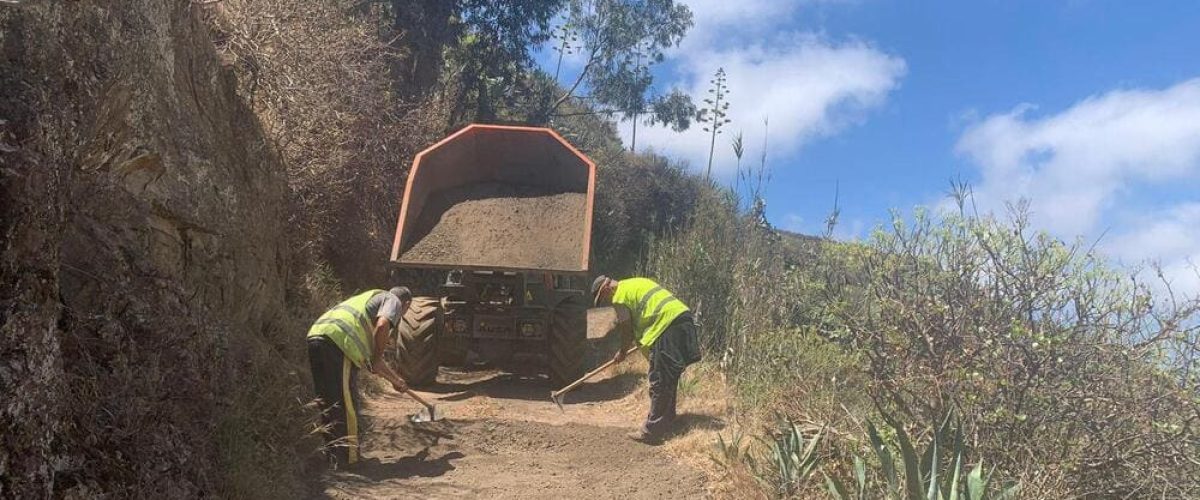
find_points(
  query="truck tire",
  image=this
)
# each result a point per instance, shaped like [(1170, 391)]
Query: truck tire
[(416, 346), (567, 343)]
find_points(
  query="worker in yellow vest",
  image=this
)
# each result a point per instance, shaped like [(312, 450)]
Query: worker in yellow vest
[(352, 335), (666, 332)]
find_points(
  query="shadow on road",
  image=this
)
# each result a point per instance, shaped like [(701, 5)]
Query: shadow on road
[(418, 465)]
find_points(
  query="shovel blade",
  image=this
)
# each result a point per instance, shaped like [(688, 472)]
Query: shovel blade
[(425, 415)]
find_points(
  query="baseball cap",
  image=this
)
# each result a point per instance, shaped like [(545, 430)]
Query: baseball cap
[(597, 285)]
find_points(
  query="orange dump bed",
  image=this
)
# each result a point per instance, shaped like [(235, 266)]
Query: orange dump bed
[(497, 198)]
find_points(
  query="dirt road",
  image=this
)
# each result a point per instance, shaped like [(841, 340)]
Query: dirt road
[(503, 438)]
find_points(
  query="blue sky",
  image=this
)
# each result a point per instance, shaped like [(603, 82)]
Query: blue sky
[(1088, 108)]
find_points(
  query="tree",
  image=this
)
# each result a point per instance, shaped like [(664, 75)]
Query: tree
[(641, 65), (715, 114), (674, 109), (481, 45), (621, 40)]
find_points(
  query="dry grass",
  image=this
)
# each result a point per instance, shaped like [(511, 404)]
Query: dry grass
[(320, 78), (265, 436), (704, 414)]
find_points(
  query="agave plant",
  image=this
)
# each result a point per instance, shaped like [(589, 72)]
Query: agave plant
[(731, 452), (929, 477), (789, 459)]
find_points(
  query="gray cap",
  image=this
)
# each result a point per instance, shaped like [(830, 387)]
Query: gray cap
[(597, 285), (402, 293)]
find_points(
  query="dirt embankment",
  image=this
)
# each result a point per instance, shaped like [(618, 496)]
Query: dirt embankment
[(144, 259), (491, 224)]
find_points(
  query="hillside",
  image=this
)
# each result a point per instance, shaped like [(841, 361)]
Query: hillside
[(145, 259)]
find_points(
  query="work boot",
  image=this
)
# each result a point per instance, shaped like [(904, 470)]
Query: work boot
[(644, 438)]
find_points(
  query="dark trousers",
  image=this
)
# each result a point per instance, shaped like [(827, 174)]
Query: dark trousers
[(334, 381), (670, 354)]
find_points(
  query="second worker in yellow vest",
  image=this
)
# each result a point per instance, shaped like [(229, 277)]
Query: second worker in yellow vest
[(352, 335), (664, 327)]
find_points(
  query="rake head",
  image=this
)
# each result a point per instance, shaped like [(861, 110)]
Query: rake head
[(557, 398)]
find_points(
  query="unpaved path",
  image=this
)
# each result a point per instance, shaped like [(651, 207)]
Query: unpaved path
[(503, 438)]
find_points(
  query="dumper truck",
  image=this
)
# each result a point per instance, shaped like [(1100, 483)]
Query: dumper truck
[(504, 214)]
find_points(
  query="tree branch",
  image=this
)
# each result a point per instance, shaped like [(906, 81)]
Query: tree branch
[(591, 60), (588, 113)]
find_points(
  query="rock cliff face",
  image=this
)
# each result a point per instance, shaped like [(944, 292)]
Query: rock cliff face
[(144, 247)]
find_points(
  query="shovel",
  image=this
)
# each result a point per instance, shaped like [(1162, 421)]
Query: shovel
[(557, 396), (429, 414)]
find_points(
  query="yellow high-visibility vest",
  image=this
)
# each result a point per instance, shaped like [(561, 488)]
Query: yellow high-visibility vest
[(652, 308), (348, 326)]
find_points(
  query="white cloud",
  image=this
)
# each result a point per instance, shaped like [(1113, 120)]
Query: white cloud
[(806, 85), (1081, 169), (707, 13), (1172, 233), (1170, 237), (724, 17), (713, 18), (1074, 165)]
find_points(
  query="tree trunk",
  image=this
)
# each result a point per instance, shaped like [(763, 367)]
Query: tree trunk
[(633, 140)]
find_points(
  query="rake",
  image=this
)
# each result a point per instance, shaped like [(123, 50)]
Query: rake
[(557, 396)]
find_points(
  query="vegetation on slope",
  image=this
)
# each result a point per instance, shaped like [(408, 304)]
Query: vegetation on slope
[(1070, 377)]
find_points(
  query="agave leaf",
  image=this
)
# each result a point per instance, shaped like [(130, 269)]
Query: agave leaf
[(958, 463), (945, 426), (912, 473), (932, 466), (885, 457), (959, 456), (929, 458), (976, 485), (810, 454), (860, 473), (814, 442)]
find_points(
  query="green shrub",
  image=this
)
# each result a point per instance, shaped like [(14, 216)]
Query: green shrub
[(1051, 355)]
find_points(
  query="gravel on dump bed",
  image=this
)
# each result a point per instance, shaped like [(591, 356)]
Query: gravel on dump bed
[(499, 225)]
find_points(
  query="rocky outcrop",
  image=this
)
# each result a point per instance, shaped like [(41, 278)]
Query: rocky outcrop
[(144, 246)]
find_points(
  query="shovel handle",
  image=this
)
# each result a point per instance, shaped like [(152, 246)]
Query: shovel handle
[(590, 374), (419, 399)]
